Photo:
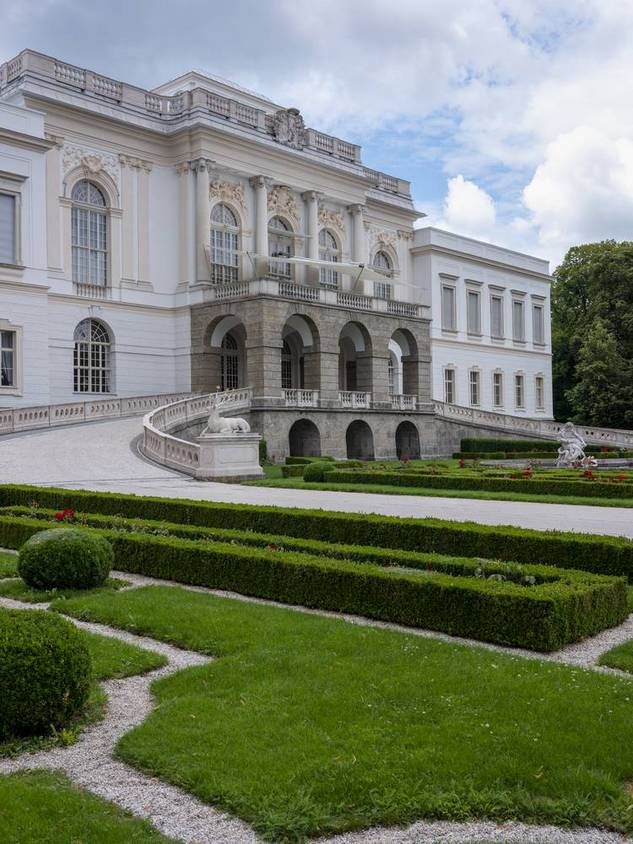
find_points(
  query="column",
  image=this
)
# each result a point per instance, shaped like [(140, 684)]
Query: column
[(129, 221), (145, 168), (359, 241), (53, 174), (311, 198), (201, 167), (186, 221), (260, 186)]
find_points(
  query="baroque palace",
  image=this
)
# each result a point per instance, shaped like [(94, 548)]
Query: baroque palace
[(198, 237)]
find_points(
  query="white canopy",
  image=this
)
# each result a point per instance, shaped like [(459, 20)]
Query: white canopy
[(359, 271)]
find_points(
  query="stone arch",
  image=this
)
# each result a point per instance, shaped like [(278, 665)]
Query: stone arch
[(101, 179), (225, 354), (304, 439), (407, 441), (355, 358), (403, 355), (300, 365), (359, 440)]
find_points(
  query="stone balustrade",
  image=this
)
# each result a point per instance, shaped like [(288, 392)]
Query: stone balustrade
[(545, 428), (171, 451), (285, 289), (92, 291), (193, 102), (401, 401), (300, 398), (107, 407), (354, 400)]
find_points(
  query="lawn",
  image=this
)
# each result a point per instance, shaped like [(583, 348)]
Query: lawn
[(619, 657), (42, 806), (8, 564), (18, 590), (306, 726)]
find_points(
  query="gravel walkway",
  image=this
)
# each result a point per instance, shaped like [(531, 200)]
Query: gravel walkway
[(90, 762)]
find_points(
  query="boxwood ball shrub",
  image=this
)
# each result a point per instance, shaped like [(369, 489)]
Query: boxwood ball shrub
[(44, 672), (315, 472), (65, 558)]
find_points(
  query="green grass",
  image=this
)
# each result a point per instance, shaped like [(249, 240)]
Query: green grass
[(308, 726), (619, 657), (19, 591), (8, 564), (384, 489), (111, 659), (42, 806)]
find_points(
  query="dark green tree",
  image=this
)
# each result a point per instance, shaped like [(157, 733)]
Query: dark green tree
[(594, 283)]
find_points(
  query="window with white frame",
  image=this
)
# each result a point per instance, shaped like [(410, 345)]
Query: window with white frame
[(92, 357), (280, 245), (538, 324), (8, 359), (224, 244), (473, 312), (89, 223), (449, 318), (8, 228), (539, 389), (519, 391), (518, 320), (449, 385), (328, 251), (497, 389), (230, 363), (496, 317), (474, 384), (382, 263)]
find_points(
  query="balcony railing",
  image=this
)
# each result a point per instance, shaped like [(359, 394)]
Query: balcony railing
[(321, 295), (401, 401), (301, 398), (350, 398), (92, 291)]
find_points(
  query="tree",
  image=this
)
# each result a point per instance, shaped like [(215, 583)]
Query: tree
[(594, 284)]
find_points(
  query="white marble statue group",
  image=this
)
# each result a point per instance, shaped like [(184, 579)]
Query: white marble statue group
[(217, 424), (571, 454)]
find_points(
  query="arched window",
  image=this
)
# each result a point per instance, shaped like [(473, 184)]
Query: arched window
[(230, 363), (89, 234), (382, 263), (328, 251), (279, 246), (92, 358), (224, 253), (286, 366)]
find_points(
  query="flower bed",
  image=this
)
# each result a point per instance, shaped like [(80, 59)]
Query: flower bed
[(536, 607)]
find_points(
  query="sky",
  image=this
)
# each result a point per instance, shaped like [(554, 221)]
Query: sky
[(511, 118)]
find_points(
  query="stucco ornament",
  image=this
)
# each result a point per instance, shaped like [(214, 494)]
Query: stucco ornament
[(91, 162), (217, 424), (289, 128), (571, 453), (382, 237), (228, 192), (331, 219), (281, 201)]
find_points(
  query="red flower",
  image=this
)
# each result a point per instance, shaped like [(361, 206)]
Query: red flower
[(66, 515), (462, 462), (59, 517)]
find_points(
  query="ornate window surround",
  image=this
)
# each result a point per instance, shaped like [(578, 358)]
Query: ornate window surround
[(99, 359), (11, 184), (238, 231)]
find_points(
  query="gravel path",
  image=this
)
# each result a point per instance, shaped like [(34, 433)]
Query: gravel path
[(90, 762)]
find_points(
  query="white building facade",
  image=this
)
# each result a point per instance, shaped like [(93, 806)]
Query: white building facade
[(199, 236)]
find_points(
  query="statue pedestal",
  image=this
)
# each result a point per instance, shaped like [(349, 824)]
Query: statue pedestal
[(229, 457)]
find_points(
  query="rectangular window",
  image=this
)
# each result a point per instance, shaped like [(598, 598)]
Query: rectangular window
[(540, 392), (519, 393), (497, 389), (8, 376), (473, 312), (474, 387), (449, 386), (496, 317), (7, 229), (538, 324), (448, 308), (382, 290), (518, 321)]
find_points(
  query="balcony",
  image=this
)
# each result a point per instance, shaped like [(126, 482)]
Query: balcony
[(354, 400), (300, 398), (285, 289), (92, 291), (403, 402)]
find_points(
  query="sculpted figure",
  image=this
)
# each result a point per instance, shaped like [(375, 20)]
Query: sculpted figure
[(217, 424), (572, 449)]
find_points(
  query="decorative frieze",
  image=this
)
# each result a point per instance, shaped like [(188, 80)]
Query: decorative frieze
[(281, 201), (384, 237), (92, 162), (228, 192), (135, 163), (331, 219), (405, 235)]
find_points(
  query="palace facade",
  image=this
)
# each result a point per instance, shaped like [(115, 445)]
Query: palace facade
[(199, 237)]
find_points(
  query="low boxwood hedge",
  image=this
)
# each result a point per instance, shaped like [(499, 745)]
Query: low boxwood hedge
[(522, 455), (602, 554), (303, 461), (533, 486), (293, 471), (474, 444), (539, 608)]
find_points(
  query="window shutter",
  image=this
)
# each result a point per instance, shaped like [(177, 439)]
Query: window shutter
[(7, 229)]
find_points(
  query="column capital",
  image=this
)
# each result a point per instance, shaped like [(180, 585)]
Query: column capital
[(260, 182), (312, 195), (356, 208), (199, 165)]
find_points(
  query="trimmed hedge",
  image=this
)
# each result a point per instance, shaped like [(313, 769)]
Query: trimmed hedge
[(303, 461), (523, 455), (473, 444), (316, 472), (293, 471), (65, 558), (602, 554), (533, 486), (44, 672), (563, 607)]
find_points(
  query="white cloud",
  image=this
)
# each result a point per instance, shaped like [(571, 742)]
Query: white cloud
[(468, 209)]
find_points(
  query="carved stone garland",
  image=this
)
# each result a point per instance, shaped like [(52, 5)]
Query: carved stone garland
[(228, 192), (281, 201), (331, 219)]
